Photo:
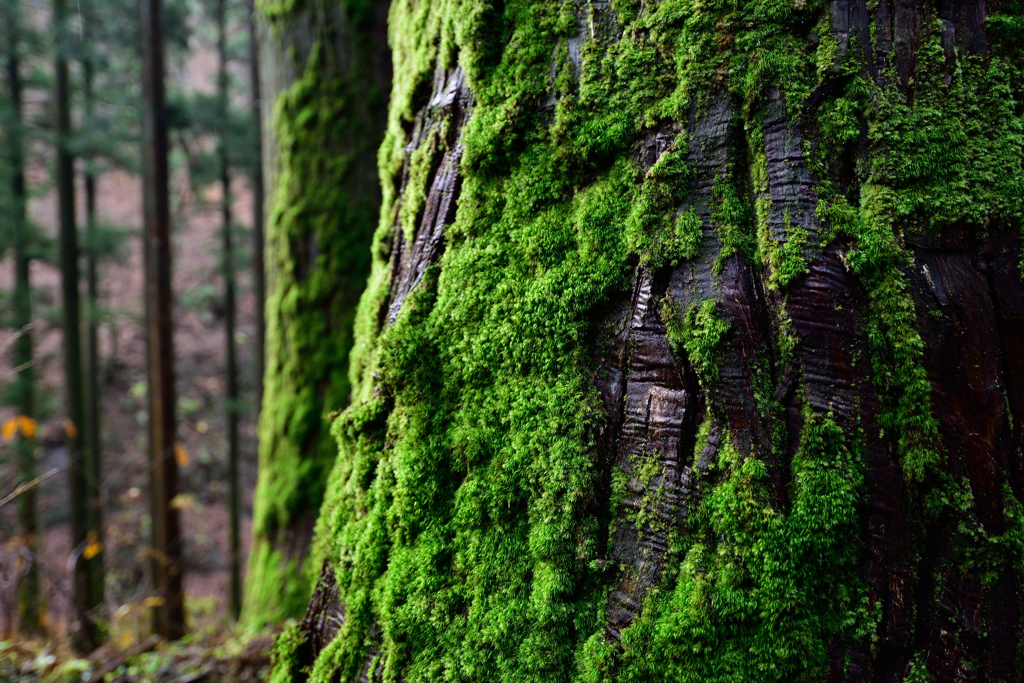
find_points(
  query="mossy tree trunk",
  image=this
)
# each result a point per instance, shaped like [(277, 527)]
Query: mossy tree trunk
[(693, 350), (325, 67)]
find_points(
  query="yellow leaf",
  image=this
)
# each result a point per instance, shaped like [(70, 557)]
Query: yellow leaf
[(10, 429), (181, 455), (70, 429), (154, 601), (181, 502), (127, 639), (94, 548), (27, 426)]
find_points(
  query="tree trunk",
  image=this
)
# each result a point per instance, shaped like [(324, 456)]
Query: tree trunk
[(228, 273), (30, 612), (93, 393), (86, 636), (166, 563), (693, 350), (325, 66), (256, 179)]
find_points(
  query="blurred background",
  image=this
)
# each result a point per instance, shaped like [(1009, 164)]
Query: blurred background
[(212, 135)]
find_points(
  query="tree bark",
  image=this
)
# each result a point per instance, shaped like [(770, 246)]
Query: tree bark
[(325, 66), (93, 391), (30, 609), (86, 636), (231, 402), (693, 350), (166, 558), (258, 200)]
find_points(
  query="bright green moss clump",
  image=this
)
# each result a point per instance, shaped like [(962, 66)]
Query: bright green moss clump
[(756, 592), (699, 335), (463, 519), (317, 237)]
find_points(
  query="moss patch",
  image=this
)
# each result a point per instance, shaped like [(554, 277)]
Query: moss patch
[(462, 518), (317, 236)]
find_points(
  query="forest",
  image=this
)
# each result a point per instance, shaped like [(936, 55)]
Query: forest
[(582, 341)]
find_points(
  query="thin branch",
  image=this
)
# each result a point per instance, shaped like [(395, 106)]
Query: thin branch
[(28, 485)]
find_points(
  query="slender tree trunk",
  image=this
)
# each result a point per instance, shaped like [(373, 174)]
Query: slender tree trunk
[(167, 568), (693, 350), (325, 66), (86, 636), (29, 599), (93, 402), (227, 271), (256, 178)]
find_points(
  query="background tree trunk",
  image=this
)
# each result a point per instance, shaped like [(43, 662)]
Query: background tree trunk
[(30, 609), (325, 66), (228, 273), (166, 562), (693, 350), (93, 381), (86, 637), (258, 200)]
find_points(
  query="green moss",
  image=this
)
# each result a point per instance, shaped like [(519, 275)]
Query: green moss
[(891, 324), (947, 154), (700, 334), (759, 594), (917, 672), (321, 220), (734, 221), (787, 261), (652, 229), (462, 518), (282, 662)]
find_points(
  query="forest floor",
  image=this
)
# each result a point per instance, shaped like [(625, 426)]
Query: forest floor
[(199, 658), (200, 359)]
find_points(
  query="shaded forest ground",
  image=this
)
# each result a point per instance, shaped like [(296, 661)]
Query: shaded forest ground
[(202, 658)]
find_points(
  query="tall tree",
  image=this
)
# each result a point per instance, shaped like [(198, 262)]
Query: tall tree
[(167, 567), (258, 200), (86, 636), (693, 350), (228, 273), (30, 614), (325, 66), (93, 396)]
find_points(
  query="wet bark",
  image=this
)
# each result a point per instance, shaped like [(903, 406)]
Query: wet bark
[(815, 348)]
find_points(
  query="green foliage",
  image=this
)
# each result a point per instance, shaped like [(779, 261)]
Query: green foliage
[(734, 220), (891, 324)]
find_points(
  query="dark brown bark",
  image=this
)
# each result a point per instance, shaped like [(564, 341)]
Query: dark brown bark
[(93, 391), (828, 345), (166, 561)]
